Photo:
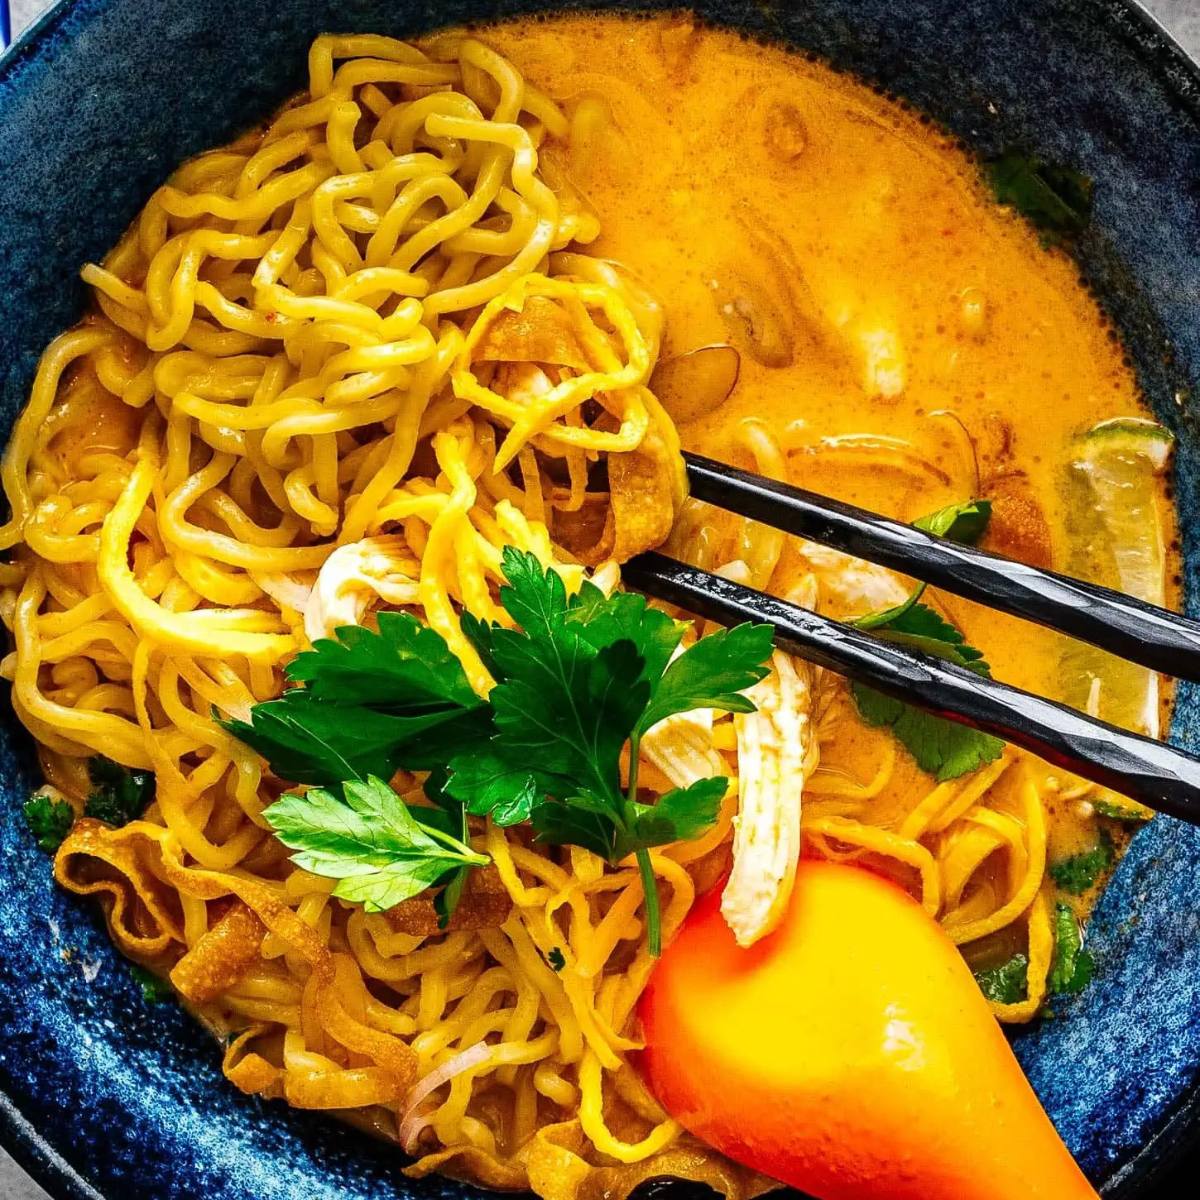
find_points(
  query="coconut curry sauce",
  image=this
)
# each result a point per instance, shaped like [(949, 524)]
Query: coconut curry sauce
[(902, 340)]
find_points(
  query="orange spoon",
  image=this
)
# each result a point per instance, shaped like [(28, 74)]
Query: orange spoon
[(849, 1054)]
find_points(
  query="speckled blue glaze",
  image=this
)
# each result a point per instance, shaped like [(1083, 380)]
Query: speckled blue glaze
[(106, 1095)]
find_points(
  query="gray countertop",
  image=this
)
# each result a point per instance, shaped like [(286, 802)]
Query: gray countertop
[(1181, 17)]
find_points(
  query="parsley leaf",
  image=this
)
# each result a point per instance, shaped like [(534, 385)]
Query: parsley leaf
[(155, 990), (493, 783), (1081, 871), (119, 794), (568, 707), (1054, 198), (578, 680), (1073, 966), (965, 522), (1007, 982), (920, 628), (626, 616), (49, 820), (677, 816), (323, 741), (404, 667), (712, 673), (556, 959), (369, 840)]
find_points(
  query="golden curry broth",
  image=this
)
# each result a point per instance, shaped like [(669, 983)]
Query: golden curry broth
[(853, 255)]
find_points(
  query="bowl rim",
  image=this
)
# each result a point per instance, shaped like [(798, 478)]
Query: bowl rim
[(1179, 1132)]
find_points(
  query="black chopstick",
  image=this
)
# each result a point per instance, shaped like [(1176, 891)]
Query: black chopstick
[(1131, 629), (1153, 773)]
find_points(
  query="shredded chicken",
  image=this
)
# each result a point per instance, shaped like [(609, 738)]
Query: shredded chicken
[(681, 746), (354, 575), (776, 754), (848, 586)]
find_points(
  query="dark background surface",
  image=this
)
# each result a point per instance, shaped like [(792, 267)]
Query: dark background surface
[(1182, 18)]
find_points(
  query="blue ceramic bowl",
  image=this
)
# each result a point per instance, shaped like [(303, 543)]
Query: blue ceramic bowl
[(105, 1095)]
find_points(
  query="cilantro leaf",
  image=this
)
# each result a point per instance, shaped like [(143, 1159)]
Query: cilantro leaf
[(406, 666), (1080, 872), (556, 959), (1054, 198), (119, 794), (369, 841), (1111, 807), (1006, 983), (943, 748), (1073, 966), (922, 629), (966, 522), (49, 820), (712, 673), (155, 990)]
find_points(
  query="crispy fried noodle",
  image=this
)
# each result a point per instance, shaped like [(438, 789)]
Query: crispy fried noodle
[(339, 365)]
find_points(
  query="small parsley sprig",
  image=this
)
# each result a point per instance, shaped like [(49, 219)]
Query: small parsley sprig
[(943, 748), (1006, 983), (119, 794), (579, 681), (1081, 872), (49, 820), (1073, 967)]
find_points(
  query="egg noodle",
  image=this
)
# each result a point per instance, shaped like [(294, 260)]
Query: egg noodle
[(343, 362)]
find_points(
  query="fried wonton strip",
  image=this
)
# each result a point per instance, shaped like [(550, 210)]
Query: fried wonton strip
[(334, 985), (647, 487), (221, 957), (485, 904), (1041, 951), (248, 1071), (354, 1087), (541, 332), (132, 891)]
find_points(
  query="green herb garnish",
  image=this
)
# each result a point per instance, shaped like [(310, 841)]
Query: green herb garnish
[(119, 794), (1082, 871), (1057, 200), (49, 820), (943, 748), (370, 841), (1073, 966), (154, 989), (966, 522), (1006, 983), (1105, 806), (579, 682), (556, 959)]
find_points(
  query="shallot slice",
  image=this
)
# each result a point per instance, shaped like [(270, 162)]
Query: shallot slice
[(412, 1123)]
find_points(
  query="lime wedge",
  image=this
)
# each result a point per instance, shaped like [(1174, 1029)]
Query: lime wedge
[(1116, 538)]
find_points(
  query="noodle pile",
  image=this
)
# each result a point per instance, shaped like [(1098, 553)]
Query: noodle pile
[(344, 362)]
